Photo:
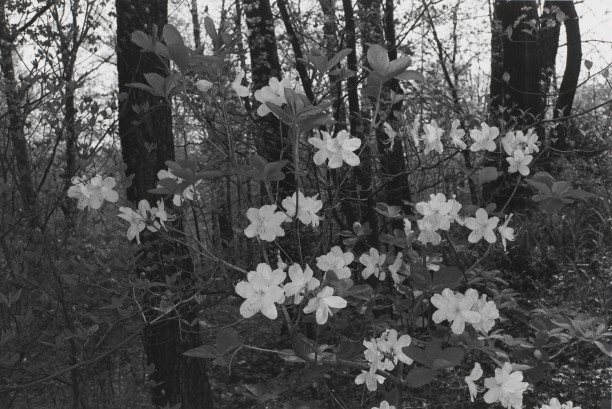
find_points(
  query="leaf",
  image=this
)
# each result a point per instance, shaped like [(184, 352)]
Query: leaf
[(378, 58), (418, 377), (588, 64), (418, 355), (148, 44), (509, 31), (280, 113), (209, 26), (560, 16), (420, 278), (486, 175), (605, 348), (411, 75), (335, 60), (446, 277), (448, 358), (171, 35), (202, 351), (227, 340), (396, 67), (506, 77)]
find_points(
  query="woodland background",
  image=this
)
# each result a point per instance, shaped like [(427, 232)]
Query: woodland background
[(84, 317)]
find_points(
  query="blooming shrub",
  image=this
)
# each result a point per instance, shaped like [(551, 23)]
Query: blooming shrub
[(423, 302)]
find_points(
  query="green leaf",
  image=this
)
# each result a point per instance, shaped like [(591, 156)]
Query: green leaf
[(203, 351), (396, 67), (420, 278), (148, 43), (171, 35), (418, 377), (418, 355), (209, 26), (411, 75), (378, 58), (486, 175), (280, 113), (227, 340), (335, 60), (446, 277)]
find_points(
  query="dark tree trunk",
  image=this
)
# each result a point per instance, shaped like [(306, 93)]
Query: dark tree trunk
[(529, 58), (16, 115), (567, 90), (179, 379), (393, 162), (273, 143), (297, 50), (522, 95)]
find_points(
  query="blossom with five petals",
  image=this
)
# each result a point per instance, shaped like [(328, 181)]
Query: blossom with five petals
[(481, 226), (487, 309), (338, 150), (261, 290), (137, 219), (455, 308), (518, 162), (506, 387), (373, 263), (265, 223), (322, 304), (273, 93), (301, 282), (336, 261), (484, 139), (389, 342), (370, 378), (94, 193), (308, 207)]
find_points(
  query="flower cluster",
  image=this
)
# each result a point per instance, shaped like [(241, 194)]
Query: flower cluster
[(273, 93), (373, 263), (264, 288), (519, 148), (336, 261), (484, 139), (189, 193), (383, 354), (151, 218), (438, 214), (459, 309), (506, 387), (308, 207), (337, 150), (93, 193), (266, 221)]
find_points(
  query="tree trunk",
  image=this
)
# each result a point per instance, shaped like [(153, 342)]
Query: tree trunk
[(179, 379), (273, 141), (297, 50), (15, 110), (522, 95), (567, 90), (393, 166)]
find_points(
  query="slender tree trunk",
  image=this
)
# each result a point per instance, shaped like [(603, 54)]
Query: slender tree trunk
[(195, 20), (522, 94), (16, 113), (297, 50), (567, 90), (179, 379), (273, 141), (393, 161)]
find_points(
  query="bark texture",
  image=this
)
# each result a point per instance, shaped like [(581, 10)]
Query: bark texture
[(145, 121)]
